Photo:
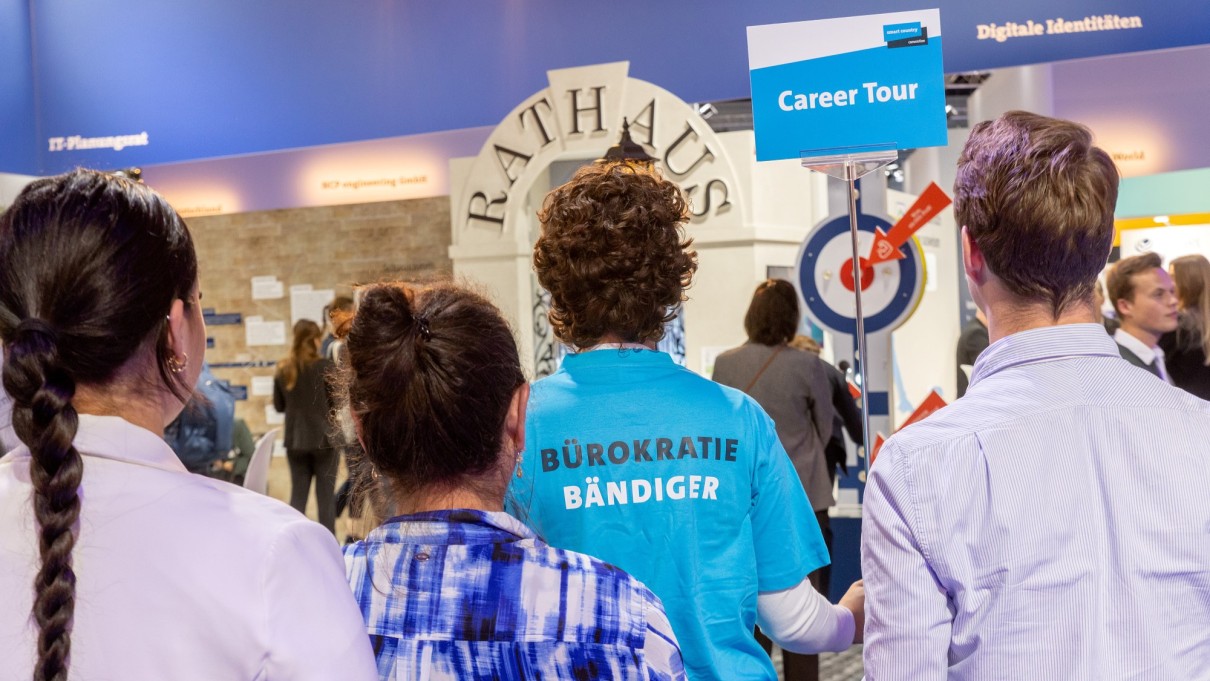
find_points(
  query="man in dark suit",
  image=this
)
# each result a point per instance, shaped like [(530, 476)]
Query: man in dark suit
[(1145, 300)]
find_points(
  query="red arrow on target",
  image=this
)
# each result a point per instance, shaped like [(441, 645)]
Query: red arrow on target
[(886, 246)]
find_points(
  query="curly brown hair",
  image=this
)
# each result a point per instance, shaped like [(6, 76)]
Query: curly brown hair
[(613, 254)]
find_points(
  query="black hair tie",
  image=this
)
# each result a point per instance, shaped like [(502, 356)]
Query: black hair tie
[(32, 327), (422, 325)]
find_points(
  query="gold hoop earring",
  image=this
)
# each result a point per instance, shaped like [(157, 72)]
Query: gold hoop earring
[(175, 365)]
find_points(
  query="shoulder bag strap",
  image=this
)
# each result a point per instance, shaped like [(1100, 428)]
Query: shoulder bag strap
[(763, 367)]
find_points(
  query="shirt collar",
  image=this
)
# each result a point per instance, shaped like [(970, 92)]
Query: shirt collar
[(1138, 347), (1044, 344), (606, 357), (112, 437), (454, 526)]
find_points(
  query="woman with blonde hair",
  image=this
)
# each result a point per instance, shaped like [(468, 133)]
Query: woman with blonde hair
[(1187, 350), (300, 391)]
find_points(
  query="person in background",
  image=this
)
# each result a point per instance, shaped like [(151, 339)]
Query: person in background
[(1187, 349), (1145, 300), (1052, 523), (354, 493), (971, 341), (645, 464), (454, 588), (340, 307), (793, 389), (243, 446), (300, 391), (847, 420), (202, 435), (117, 563)]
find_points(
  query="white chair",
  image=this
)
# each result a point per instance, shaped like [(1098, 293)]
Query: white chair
[(257, 476)]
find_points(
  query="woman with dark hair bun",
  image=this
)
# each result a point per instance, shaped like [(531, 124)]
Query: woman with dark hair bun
[(674, 478), (454, 588), (131, 567)]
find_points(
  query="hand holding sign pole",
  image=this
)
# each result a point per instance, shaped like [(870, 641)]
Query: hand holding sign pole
[(843, 96)]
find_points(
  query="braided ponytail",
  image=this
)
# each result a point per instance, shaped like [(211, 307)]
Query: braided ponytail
[(43, 416), (89, 267)]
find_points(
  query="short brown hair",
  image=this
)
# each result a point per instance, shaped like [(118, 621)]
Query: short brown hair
[(613, 254), (1120, 281), (773, 315), (1037, 198)]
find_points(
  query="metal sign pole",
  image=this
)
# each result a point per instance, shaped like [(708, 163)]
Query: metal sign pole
[(851, 177)]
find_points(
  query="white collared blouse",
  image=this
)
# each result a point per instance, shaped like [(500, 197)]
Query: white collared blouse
[(179, 576)]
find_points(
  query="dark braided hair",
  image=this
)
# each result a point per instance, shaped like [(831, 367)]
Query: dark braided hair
[(89, 267)]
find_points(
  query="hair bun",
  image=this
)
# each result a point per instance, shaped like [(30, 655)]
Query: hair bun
[(388, 310)]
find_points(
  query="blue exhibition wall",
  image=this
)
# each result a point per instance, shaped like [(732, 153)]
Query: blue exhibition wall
[(159, 81), (18, 130)]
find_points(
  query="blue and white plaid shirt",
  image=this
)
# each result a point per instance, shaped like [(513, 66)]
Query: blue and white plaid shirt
[(466, 594)]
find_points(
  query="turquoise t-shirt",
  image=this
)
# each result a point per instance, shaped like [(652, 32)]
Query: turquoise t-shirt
[(678, 480)]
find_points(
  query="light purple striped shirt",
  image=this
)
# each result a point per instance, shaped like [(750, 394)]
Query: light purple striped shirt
[(1054, 523)]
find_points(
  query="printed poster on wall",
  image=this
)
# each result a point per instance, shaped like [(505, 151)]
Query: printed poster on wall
[(837, 86)]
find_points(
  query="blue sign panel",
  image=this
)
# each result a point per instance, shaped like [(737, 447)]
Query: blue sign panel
[(823, 87), (255, 364), (214, 319)]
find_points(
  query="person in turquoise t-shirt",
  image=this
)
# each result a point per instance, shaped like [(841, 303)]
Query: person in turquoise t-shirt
[(631, 458)]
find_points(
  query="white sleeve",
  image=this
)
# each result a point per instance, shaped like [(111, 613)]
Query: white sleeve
[(801, 620), (315, 629)]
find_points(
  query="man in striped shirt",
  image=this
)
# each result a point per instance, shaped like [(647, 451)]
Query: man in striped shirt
[(1052, 523)]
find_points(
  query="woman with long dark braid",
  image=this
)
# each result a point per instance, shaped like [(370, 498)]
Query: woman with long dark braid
[(131, 567)]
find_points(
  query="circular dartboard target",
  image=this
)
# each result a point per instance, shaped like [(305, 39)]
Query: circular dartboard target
[(890, 292)]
